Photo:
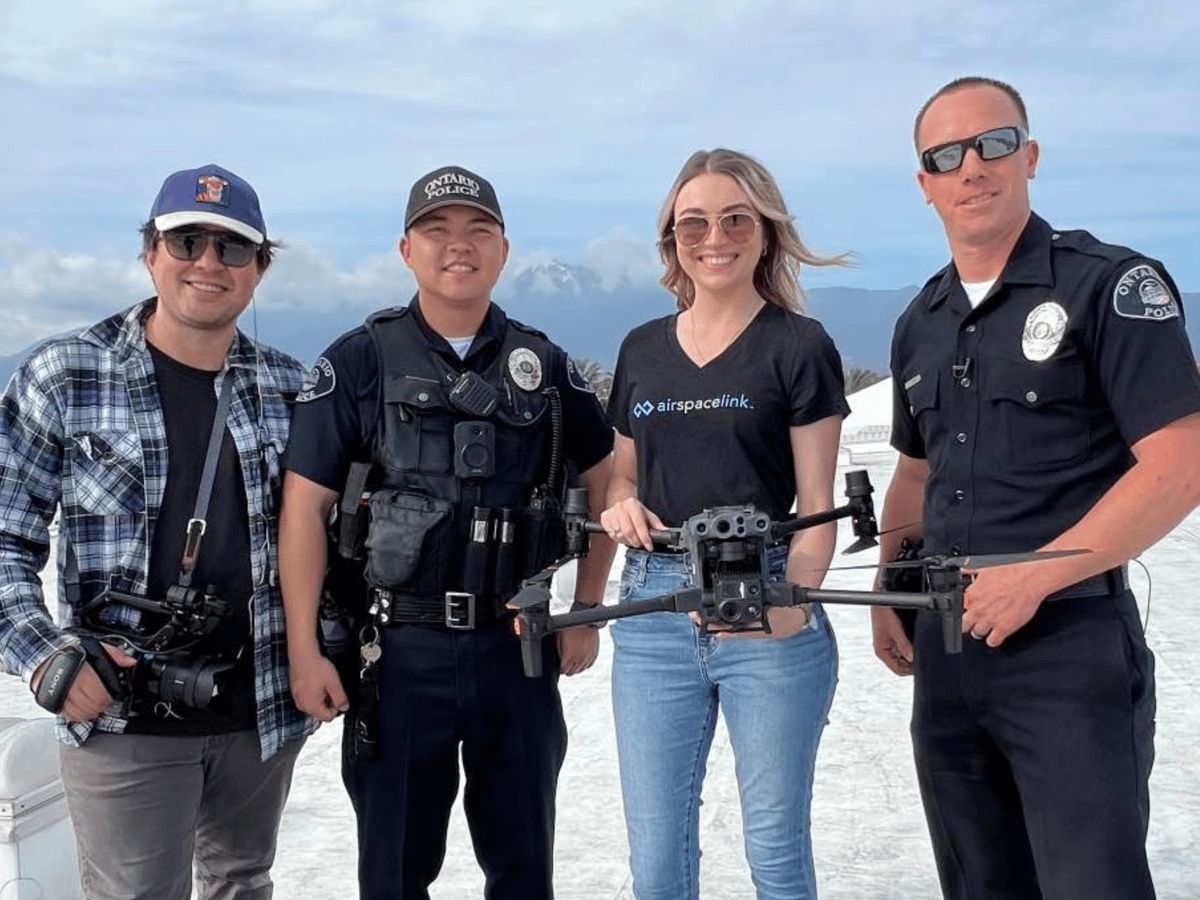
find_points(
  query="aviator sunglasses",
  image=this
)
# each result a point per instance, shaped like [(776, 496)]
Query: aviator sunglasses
[(995, 144), (737, 226), (189, 246)]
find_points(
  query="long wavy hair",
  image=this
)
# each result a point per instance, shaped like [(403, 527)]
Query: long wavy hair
[(777, 275)]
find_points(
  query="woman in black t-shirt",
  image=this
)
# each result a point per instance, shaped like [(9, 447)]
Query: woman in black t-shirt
[(735, 400)]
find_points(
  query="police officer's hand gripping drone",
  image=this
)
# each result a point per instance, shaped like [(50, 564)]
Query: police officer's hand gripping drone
[(727, 558)]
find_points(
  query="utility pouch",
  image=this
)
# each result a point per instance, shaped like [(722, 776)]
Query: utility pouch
[(400, 526), (335, 633), (352, 518), (544, 536), (905, 579)]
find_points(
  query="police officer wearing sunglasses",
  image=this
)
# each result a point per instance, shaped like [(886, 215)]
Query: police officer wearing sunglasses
[(1046, 398), (166, 667), (446, 428)]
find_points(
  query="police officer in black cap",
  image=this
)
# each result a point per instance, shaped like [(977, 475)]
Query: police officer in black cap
[(1045, 399), (466, 425)]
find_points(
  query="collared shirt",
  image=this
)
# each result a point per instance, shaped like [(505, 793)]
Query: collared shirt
[(1026, 406), (82, 435)]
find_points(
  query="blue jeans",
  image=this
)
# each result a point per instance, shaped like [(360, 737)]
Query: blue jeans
[(667, 682)]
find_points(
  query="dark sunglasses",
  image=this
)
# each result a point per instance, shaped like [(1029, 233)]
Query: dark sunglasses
[(738, 226), (995, 144), (189, 246)]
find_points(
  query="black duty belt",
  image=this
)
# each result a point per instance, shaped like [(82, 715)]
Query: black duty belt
[(1106, 584), (457, 610)]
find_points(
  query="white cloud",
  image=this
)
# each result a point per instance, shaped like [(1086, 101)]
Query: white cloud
[(618, 258), (580, 114), (47, 292)]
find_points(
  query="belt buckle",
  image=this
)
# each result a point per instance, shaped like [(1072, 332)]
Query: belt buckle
[(460, 605)]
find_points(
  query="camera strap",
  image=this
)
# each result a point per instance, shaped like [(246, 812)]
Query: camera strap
[(198, 523)]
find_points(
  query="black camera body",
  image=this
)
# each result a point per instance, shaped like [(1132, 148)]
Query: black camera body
[(168, 668)]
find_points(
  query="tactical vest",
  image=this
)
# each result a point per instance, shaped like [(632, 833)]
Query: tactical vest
[(449, 476)]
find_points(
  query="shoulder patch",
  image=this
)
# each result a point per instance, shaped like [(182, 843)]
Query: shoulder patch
[(319, 382), (1141, 293), (575, 377)]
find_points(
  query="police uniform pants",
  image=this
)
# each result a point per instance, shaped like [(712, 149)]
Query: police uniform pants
[(439, 690), (1034, 758)]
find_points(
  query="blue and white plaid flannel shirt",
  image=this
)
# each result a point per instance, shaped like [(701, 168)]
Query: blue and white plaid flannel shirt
[(82, 433)]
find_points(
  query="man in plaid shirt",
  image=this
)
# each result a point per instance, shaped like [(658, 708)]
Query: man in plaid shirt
[(178, 730)]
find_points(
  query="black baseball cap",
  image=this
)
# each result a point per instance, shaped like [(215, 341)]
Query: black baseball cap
[(451, 186)]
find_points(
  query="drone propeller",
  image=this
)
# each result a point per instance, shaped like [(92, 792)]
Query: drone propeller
[(860, 545), (984, 560), (530, 595), (978, 561)]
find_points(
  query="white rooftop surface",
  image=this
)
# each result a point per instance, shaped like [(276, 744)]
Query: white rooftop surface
[(868, 828)]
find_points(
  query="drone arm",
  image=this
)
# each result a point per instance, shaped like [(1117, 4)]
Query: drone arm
[(944, 597), (668, 537), (684, 600), (536, 621)]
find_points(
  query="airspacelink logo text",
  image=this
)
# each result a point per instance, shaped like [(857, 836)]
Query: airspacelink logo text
[(645, 408)]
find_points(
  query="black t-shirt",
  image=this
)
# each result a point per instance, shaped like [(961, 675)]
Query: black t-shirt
[(718, 434), (337, 415), (189, 402)]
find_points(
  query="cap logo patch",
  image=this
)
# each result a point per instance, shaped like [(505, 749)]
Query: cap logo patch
[(452, 184), (1142, 294), (211, 189)]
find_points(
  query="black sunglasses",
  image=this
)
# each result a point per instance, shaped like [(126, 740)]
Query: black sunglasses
[(995, 144), (189, 246)]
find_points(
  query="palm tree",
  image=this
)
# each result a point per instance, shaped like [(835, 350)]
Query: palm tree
[(596, 376), (857, 379)]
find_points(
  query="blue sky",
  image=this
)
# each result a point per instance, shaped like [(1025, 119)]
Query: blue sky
[(580, 114)]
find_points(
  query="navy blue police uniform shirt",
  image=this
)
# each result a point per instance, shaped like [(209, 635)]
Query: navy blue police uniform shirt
[(719, 434), (1026, 407), (337, 415)]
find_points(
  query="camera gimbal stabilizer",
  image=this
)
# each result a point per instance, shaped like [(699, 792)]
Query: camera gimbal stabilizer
[(727, 556), (190, 613)]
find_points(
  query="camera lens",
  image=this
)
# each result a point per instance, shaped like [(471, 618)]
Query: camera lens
[(193, 683), (730, 611)]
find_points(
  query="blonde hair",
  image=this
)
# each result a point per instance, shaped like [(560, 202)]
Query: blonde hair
[(777, 275)]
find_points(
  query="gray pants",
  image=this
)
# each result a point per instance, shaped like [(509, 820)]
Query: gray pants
[(145, 807)]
